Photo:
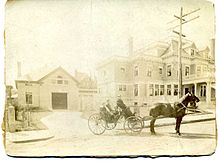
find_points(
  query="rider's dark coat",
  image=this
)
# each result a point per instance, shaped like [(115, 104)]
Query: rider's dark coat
[(124, 108)]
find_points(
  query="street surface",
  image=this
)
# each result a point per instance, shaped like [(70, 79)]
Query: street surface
[(73, 138)]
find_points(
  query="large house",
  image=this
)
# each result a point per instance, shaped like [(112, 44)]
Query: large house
[(150, 74), (52, 89)]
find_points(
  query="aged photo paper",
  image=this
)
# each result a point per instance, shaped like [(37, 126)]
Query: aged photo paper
[(109, 78)]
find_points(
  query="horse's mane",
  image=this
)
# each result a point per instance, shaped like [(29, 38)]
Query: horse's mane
[(183, 97)]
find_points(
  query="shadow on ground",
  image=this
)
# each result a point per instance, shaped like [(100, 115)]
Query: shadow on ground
[(194, 136)]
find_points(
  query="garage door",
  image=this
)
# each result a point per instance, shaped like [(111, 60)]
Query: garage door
[(59, 100)]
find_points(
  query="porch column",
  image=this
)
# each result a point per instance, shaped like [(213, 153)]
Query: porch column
[(208, 93), (195, 89)]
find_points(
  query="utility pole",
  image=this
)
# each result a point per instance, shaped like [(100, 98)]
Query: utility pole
[(180, 84), (182, 21)]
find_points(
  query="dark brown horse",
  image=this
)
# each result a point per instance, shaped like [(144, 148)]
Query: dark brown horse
[(178, 110)]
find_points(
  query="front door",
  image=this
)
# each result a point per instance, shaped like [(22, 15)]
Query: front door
[(59, 101)]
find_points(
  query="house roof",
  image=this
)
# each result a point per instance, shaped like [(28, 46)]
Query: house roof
[(42, 73), (37, 74)]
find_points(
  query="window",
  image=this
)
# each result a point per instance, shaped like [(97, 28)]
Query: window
[(28, 97), (198, 71), (28, 84), (122, 69), (203, 91), (192, 52), (161, 90), (160, 70), (156, 89), (149, 72), (151, 89), (168, 70), (136, 71), (168, 89), (186, 70), (175, 92), (136, 90), (60, 77), (120, 87), (59, 81), (66, 82), (124, 88)]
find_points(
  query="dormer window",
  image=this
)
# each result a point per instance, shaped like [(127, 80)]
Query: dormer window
[(192, 52)]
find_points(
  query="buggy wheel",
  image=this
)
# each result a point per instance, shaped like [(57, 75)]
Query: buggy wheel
[(96, 124), (133, 125)]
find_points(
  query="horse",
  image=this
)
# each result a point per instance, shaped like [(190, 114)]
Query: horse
[(178, 110)]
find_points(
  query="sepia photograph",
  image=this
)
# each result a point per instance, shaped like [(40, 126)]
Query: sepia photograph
[(109, 78)]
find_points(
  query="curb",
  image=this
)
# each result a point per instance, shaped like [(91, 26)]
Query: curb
[(29, 136), (33, 140)]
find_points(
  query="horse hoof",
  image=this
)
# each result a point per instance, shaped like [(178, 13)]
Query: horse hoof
[(178, 133), (153, 133)]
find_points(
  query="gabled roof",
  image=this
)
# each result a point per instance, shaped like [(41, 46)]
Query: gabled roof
[(42, 73), (59, 68), (190, 45), (37, 74)]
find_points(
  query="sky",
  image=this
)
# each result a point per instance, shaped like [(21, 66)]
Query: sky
[(78, 34)]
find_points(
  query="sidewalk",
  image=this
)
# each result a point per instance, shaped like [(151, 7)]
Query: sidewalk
[(28, 136)]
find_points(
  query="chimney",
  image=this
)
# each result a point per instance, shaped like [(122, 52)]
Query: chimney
[(19, 69), (130, 45), (212, 48)]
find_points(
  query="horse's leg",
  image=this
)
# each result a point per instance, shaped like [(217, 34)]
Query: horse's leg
[(178, 122), (152, 125)]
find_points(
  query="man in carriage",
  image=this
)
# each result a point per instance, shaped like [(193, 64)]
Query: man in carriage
[(126, 110)]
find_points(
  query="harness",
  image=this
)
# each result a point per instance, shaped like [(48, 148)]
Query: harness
[(184, 107)]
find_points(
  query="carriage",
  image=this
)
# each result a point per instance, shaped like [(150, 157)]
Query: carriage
[(134, 124), (100, 122)]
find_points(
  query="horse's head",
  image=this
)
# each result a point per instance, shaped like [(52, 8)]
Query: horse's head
[(189, 98), (192, 98)]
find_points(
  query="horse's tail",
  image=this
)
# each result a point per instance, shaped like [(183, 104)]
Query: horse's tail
[(151, 112)]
